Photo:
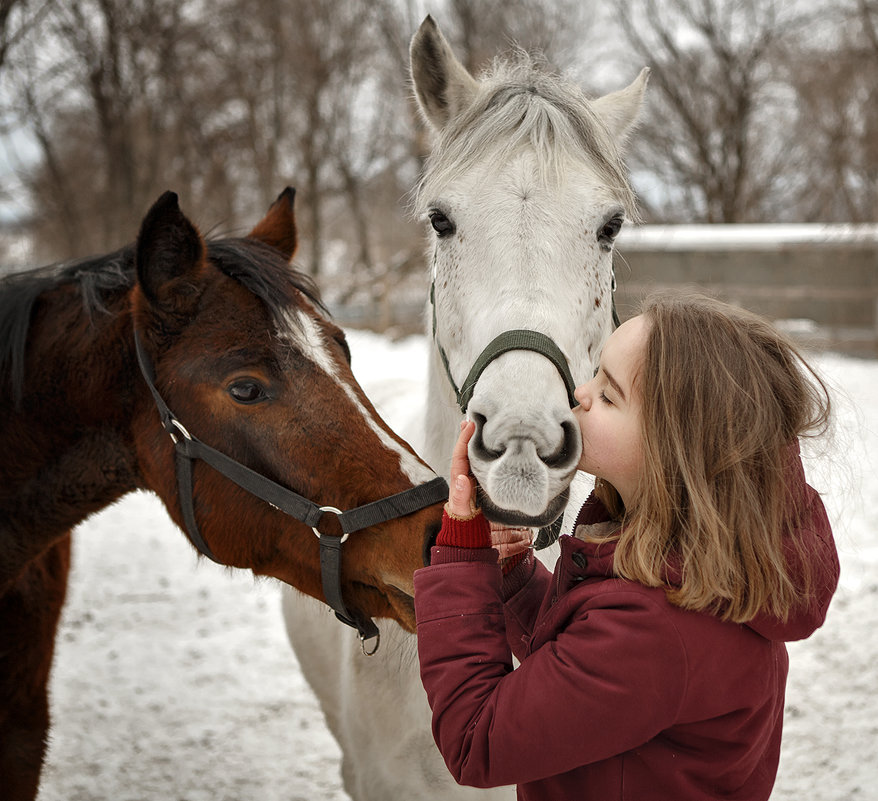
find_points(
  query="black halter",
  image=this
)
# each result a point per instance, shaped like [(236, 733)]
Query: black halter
[(187, 449)]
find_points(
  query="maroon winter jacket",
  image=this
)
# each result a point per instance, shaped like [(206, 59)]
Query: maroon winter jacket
[(619, 694)]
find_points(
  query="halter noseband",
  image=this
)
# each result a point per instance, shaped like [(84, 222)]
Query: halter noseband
[(187, 449), (514, 339)]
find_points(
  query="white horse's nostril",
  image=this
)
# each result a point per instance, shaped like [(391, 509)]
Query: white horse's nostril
[(478, 448), (568, 451)]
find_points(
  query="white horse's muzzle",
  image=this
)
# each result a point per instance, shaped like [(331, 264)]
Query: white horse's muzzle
[(523, 456)]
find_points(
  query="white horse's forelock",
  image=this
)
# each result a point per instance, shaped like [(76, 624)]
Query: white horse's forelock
[(520, 106)]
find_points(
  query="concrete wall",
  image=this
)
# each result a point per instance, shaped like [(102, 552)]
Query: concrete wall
[(824, 274)]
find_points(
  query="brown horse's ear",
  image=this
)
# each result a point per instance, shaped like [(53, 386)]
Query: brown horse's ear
[(278, 227), (170, 256)]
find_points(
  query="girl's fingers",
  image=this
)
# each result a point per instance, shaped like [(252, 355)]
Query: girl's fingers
[(461, 498), (510, 541), (459, 457)]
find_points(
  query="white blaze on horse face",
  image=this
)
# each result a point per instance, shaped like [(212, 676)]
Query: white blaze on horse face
[(306, 337), (525, 253)]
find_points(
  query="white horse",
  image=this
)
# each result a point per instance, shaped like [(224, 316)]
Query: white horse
[(524, 193)]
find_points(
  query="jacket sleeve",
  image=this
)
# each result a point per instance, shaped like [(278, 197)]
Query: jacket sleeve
[(615, 677), (524, 586)]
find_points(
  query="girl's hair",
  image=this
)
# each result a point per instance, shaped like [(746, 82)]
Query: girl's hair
[(725, 397)]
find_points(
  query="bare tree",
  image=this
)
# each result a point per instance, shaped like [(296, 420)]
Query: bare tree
[(713, 89), (867, 16), (6, 7), (11, 30), (118, 96), (483, 28), (836, 91), (297, 67)]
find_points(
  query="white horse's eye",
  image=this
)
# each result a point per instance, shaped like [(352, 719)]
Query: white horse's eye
[(609, 231), (441, 224)]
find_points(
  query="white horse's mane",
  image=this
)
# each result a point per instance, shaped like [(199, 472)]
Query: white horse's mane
[(520, 104)]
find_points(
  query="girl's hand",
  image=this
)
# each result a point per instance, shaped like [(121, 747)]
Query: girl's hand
[(462, 497), (510, 541)]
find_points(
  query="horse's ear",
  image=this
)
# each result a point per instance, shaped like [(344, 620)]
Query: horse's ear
[(619, 110), (278, 227), (442, 84), (170, 255)]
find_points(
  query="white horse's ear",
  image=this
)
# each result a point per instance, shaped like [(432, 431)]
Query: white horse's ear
[(619, 110), (442, 84)]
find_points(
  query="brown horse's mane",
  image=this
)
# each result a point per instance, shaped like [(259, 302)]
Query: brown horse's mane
[(260, 268)]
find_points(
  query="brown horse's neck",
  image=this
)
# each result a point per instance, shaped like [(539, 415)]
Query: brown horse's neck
[(67, 445)]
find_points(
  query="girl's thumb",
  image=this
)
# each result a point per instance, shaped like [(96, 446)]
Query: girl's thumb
[(461, 502)]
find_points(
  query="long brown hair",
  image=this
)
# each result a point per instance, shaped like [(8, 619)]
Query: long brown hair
[(725, 397)]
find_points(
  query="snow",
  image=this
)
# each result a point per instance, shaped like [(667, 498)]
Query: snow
[(173, 678)]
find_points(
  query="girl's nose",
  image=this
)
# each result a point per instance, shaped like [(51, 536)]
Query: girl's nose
[(582, 394)]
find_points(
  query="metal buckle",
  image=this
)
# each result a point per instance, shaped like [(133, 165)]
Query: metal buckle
[(344, 537), (180, 427)]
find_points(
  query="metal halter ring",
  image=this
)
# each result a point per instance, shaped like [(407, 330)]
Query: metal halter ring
[(371, 651), (344, 537)]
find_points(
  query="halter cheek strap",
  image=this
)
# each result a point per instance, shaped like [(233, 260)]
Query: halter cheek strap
[(187, 449)]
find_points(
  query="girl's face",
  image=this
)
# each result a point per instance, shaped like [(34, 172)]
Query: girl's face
[(609, 411)]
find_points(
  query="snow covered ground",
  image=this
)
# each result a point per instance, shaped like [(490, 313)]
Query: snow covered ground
[(173, 679)]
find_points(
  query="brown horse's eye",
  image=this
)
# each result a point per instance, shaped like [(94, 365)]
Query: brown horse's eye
[(247, 392)]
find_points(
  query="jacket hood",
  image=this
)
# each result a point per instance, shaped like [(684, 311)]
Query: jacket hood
[(817, 554)]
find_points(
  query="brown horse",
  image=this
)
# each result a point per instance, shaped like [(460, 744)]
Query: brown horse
[(235, 342)]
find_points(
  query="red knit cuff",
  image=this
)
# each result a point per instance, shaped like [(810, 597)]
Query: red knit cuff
[(472, 533)]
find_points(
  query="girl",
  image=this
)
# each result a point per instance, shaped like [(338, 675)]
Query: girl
[(653, 663)]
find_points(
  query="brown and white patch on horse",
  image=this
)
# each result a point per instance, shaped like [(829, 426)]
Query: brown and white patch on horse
[(304, 334)]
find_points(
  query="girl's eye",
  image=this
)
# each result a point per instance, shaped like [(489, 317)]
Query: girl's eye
[(605, 399), (247, 392), (441, 224)]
